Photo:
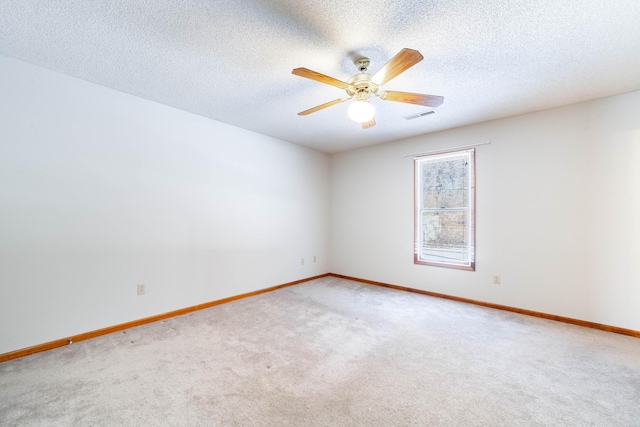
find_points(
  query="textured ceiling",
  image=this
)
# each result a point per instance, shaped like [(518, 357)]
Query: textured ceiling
[(231, 60)]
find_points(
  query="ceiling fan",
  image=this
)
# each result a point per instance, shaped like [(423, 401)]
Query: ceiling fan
[(363, 85)]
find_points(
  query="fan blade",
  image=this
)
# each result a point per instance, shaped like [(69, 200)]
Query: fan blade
[(322, 106), (412, 98), (314, 75), (371, 123), (404, 60)]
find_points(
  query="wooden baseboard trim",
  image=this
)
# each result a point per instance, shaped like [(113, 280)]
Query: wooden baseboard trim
[(111, 329), (584, 323)]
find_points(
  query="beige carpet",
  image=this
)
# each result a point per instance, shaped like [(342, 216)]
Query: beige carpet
[(332, 352)]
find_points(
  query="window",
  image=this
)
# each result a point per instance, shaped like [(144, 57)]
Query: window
[(445, 209)]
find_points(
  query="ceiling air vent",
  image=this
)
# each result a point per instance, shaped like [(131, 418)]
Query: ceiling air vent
[(424, 113)]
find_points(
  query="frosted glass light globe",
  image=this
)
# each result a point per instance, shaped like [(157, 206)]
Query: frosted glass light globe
[(361, 111)]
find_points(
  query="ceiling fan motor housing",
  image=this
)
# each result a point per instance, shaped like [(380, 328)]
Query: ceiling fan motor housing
[(361, 83)]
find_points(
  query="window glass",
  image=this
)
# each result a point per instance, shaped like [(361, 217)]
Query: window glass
[(445, 208)]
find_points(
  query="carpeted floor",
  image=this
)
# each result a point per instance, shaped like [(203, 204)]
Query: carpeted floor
[(332, 352)]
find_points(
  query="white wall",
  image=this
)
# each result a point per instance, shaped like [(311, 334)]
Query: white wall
[(100, 191), (558, 212)]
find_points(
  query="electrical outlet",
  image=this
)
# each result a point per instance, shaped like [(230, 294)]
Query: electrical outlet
[(301, 261), (314, 258), (142, 289), (497, 279)]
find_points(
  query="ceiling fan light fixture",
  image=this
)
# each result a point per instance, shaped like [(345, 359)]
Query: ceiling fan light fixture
[(361, 111)]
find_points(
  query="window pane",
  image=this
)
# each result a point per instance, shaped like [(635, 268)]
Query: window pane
[(445, 183), (445, 235)]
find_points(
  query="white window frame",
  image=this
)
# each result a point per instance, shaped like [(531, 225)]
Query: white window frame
[(419, 210)]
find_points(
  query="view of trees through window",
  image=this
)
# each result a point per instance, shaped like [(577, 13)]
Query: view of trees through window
[(445, 192)]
